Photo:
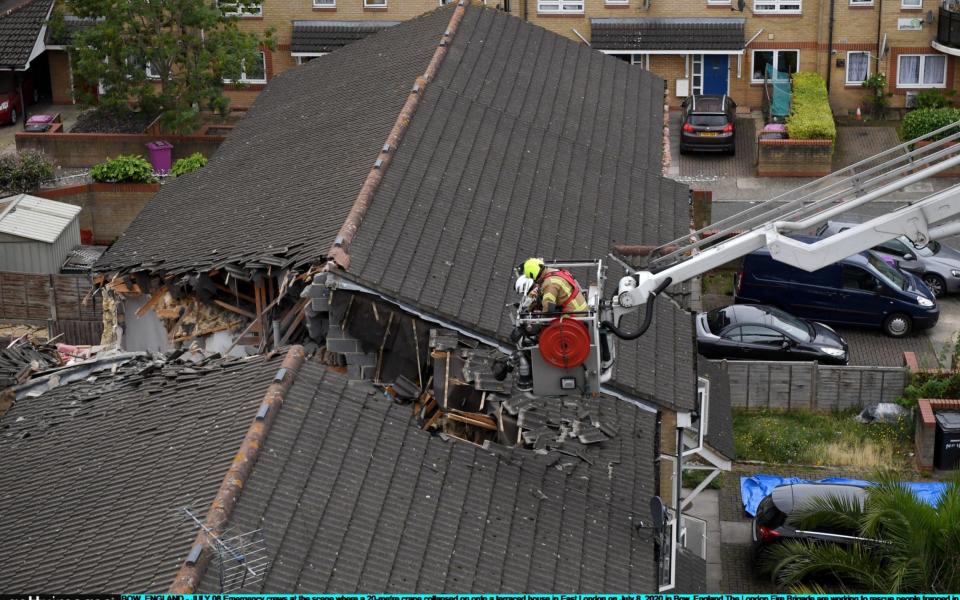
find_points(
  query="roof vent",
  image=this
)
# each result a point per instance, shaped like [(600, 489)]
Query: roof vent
[(378, 164), (386, 148), (280, 375), (194, 555)]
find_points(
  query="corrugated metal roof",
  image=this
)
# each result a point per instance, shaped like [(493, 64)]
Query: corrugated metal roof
[(35, 218)]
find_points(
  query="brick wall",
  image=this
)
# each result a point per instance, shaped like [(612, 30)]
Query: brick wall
[(88, 149), (926, 428), (108, 208), (794, 158)]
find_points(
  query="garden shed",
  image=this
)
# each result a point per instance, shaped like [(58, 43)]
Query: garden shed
[(36, 234)]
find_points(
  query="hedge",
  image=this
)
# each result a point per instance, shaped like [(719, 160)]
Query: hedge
[(810, 116), (924, 120)]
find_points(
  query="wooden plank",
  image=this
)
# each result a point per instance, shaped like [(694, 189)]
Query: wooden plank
[(234, 293), (155, 298), (232, 308), (474, 419)]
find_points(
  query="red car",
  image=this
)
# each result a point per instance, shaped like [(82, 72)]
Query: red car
[(10, 107)]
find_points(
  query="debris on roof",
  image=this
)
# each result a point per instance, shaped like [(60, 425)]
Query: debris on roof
[(81, 259), (21, 358)]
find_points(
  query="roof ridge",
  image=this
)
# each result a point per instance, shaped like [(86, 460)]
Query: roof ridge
[(339, 254), (236, 476)]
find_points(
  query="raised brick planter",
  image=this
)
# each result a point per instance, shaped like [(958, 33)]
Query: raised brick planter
[(87, 149), (794, 158), (108, 208), (926, 428)]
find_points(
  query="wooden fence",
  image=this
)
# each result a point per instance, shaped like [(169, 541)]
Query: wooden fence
[(811, 386), (64, 302)]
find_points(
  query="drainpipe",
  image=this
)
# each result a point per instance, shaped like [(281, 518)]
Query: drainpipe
[(526, 16), (879, 29), (830, 46)]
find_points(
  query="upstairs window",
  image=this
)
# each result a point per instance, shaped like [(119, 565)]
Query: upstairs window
[(778, 6), (560, 6), (240, 9), (911, 3), (255, 73), (374, 3), (324, 3)]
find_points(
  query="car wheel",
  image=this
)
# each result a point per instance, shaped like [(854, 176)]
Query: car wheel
[(13, 117), (936, 284), (897, 325)]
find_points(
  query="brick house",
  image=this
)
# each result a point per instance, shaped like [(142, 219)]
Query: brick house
[(707, 46)]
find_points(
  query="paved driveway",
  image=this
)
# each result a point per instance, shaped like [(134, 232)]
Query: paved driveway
[(707, 166)]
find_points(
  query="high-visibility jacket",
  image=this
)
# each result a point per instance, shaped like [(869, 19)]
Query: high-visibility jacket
[(560, 290)]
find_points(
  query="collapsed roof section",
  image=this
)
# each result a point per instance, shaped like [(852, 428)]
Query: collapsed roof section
[(387, 507)]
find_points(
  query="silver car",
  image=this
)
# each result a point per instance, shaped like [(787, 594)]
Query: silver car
[(938, 265)]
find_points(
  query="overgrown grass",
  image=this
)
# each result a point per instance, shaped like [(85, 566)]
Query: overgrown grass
[(692, 479), (834, 439), (718, 282)]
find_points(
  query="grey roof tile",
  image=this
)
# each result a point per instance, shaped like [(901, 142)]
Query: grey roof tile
[(323, 36), (20, 25), (388, 507), (90, 489), (680, 33)]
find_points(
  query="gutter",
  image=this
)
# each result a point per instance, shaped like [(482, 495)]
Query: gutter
[(339, 254), (188, 577)]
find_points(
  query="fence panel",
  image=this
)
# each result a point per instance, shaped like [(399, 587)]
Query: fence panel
[(810, 386)]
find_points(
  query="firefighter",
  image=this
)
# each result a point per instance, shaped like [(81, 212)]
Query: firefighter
[(556, 289)]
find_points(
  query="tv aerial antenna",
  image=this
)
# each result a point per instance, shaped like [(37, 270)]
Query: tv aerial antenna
[(242, 557)]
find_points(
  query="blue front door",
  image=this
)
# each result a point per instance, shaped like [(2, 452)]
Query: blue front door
[(715, 73)]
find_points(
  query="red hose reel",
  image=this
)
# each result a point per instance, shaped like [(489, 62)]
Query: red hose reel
[(565, 343)]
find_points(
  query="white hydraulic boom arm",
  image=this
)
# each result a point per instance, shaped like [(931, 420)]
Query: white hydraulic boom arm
[(768, 225)]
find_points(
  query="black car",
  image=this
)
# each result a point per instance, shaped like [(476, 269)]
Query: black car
[(758, 332), (708, 124), (771, 525)]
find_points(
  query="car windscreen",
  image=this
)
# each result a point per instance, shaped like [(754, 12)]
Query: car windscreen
[(929, 250), (892, 274), (707, 120), (791, 325), (717, 320)]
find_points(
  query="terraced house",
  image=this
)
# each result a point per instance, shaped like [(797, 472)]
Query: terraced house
[(697, 46)]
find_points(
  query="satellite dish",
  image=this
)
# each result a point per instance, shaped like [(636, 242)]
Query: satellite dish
[(658, 512)]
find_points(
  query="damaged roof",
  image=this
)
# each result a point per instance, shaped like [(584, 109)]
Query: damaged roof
[(94, 473), (354, 497), (20, 26), (527, 144), (524, 144), (278, 189)]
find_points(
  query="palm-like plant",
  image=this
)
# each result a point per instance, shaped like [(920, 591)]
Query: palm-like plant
[(906, 545)]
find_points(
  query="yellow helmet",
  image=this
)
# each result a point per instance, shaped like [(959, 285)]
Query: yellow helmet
[(532, 268)]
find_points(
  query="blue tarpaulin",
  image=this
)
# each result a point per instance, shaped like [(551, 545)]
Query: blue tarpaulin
[(755, 488)]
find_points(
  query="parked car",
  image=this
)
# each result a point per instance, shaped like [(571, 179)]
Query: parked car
[(757, 332), (771, 525), (708, 124), (938, 265), (10, 105), (861, 290)]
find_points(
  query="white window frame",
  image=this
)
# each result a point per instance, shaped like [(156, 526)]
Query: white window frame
[(253, 11), (375, 3), (846, 69), (914, 4), (148, 70), (567, 7), (324, 3), (923, 61), (861, 2), (298, 58), (718, 2), (243, 74), (617, 2), (778, 7), (776, 56)]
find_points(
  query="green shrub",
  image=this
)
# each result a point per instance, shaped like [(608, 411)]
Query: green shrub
[(188, 165), (810, 116), (877, 99), (935, 99), (23, 172), (924, 120), (931, 385), (124, 169)]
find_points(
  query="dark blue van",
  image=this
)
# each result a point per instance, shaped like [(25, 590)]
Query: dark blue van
[(861, 290)]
